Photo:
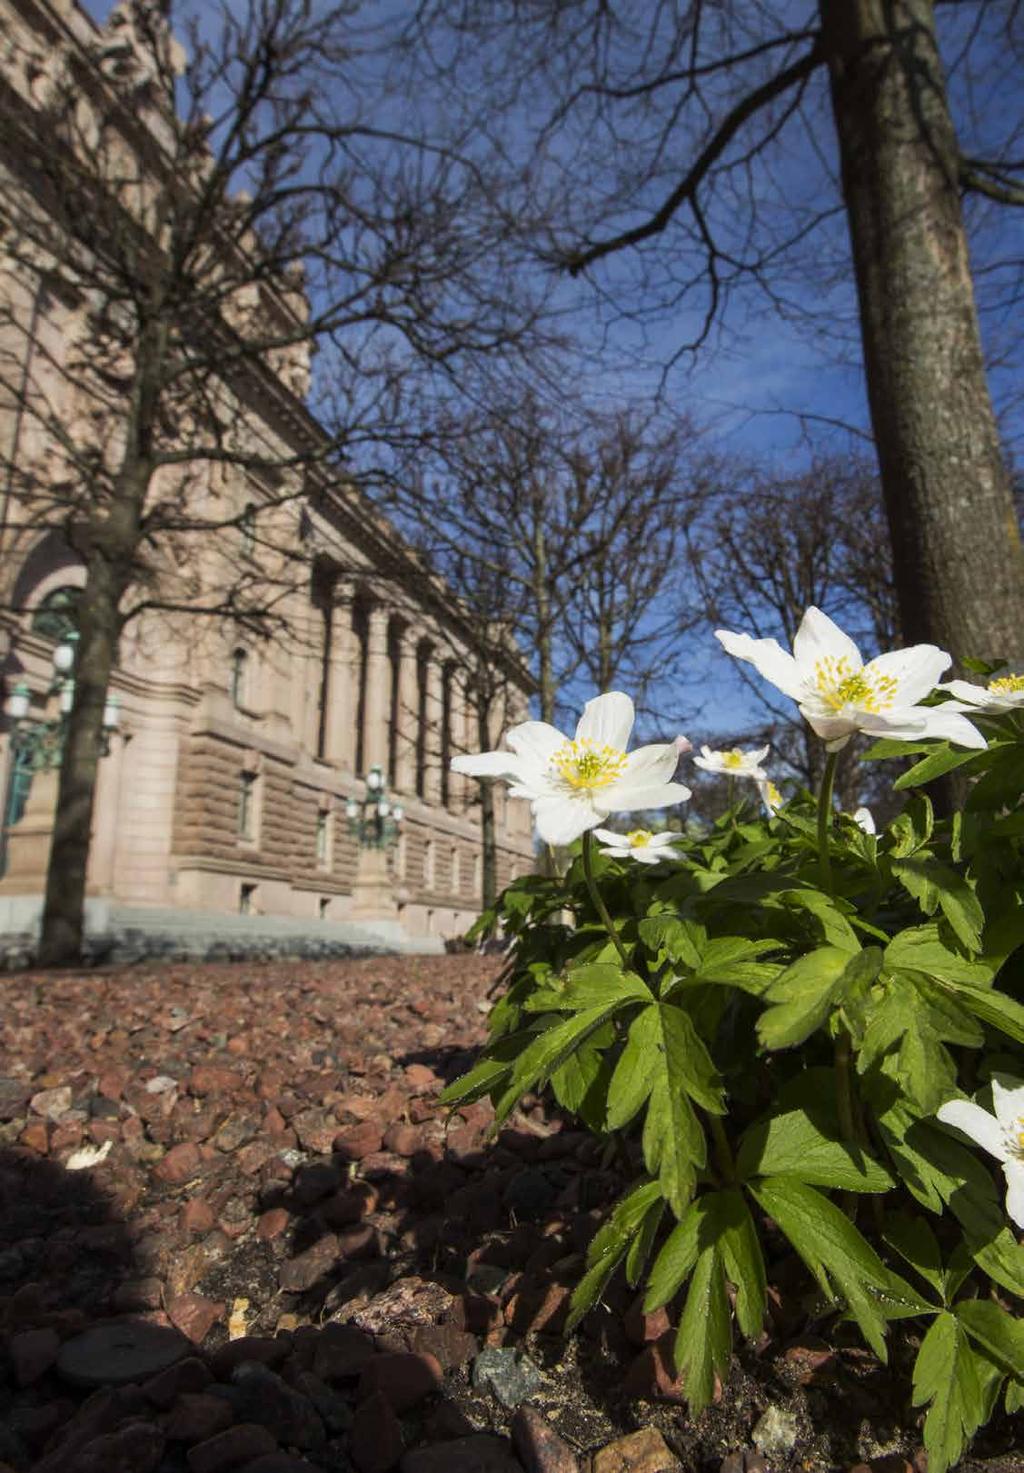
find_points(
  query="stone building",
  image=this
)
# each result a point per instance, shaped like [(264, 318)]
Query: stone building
[(221, 804)]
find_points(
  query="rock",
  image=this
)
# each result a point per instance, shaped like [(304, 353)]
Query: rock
[(539, 1309), (375, 1442), (539, 1446), (775, 1432), (189, 1375), (303, 1271), (270, 1402), (640, 1452), (357, 1141), (403, 1379), (408, 1301), (510, 1377), (120, 1351), (265, 1350), (194, 1315), (341, 1352), (209, 1079), (350, 1205), (316, 1130), (643, 1328), (196, 1417), (314, 1181), (52, 1104), (404, 1140), (181, 1163), (479, 1453), (529, 1195), (197, 1216), (14, 1096), (652, 1375), (32, 1354), (136, 1448), (230, 1449), (279, 1462), (450, 1345), (419, 1078), (272, 1223), (335, 1411)]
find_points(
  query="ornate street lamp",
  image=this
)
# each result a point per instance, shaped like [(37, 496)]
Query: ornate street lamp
[(374, 821), (38, 745)]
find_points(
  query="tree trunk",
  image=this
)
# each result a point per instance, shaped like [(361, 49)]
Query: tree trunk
[(956, 545), (60, 943)]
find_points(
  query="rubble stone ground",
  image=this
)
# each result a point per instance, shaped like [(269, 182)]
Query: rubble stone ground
[(238, 1234)]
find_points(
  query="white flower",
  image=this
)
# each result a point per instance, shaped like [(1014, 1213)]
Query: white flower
[(574, 783), (733, 763), (839, 695), (864, 819), (1001, 1134), (639, 844), (770, 796), (1006, 693)]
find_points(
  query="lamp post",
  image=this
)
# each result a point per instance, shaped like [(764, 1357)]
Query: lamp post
[(373, 820), (39, 745)]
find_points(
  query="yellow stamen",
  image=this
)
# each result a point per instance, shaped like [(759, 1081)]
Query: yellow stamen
[(772, 793), (733, 759), (840, 686), (1007, 685), (639, 838), (585, 768)]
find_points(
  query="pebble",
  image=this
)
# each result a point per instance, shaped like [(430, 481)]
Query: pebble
[(539, 1446), (775, 1431), (479, 1453), (511, 1377), (641, 1452)]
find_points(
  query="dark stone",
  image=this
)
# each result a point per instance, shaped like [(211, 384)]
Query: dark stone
[(119, 1351)]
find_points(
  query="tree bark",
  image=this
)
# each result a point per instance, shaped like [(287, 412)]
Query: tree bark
[(60, 942), (956, 544)]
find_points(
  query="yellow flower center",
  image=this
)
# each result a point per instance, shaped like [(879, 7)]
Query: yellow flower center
[(1007, 685), (772, 793), (584, 768), (639, 838), (840, 686), (733, 759)]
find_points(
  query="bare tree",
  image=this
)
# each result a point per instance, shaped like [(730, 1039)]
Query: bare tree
[(681, 153), (197, 219)]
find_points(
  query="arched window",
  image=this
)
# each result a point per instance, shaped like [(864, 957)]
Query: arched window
[(56, 615), (238, 677)]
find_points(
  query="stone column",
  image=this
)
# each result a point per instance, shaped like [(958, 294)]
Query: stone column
[(435, 711), (106, 818), (462, 741), (343, 682), (407, 717), (378, 690)]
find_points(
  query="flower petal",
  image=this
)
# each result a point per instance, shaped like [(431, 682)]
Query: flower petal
[(915, 670), (559, 819), (830, 728), (607, 720), (621, 797), (1008, 1099), (767, 657), (535, 740), (489, 764), (819, 638), (609, 836), (653, 764), (951, 727), (974, 695), (1014, 1172), (982, 1127)]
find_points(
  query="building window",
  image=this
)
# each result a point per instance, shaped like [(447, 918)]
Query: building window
[(238, 680), (455, 869), (247, 527), (247, 900), (247, 805), (323, 839), (322, 906), (428, 865)]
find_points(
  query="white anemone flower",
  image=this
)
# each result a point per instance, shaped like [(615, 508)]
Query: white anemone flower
[(1001, 1134), (574, 783), (1005, 693), (839, 695), (865, 819), (638, 844), (770, 796), (733, 763)]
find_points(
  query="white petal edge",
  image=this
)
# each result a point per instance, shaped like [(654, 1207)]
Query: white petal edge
[(620, 798), (1014, 1173), (653, 764), (1008, 1099), (820, 638), (607, 720), (489, 764), (915, 670), (984, 1129), (560, 820), (768, 658), (536, 741)]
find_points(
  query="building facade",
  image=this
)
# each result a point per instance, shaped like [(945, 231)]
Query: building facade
[(226, 787)]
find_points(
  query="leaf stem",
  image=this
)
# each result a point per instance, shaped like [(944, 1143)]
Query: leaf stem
[(598, 899), (723, 1151), (828, 779)]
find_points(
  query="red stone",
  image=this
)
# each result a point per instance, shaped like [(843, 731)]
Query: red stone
[(272, 1223), (404, 1140), (196, 1416), (357, 1141), (231, 1449), (420, 1077), (181, 1163), (539, 1446), (403, 1380), (350, 1205), (36, 1136), (184, 1376), (642, 1328), (208, 1079), (375, 1439), (32, 1354), (194, 1315), (197, 1216)]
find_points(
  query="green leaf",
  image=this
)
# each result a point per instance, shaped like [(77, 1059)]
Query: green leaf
[(549, 1051), (920, 949), (835, 928), (914, 1241), (936, 764), (791, 1144), (609, 1246), (732, 961), (992, 1007), (1014, 1397), (836, 1253), (590, 986), (1000, 1335), (956, 1382), (744, 1261), (632, 1081), (887, 747), (704, 1339), (678, 1254), (488, 1071), (1003, 782), (671, 938), (803, 996), (913, 827), (933, 884), (643, 1242), (581, 1083)]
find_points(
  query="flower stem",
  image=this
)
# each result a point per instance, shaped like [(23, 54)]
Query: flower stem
[(844, 1087), (723, 1151), (598, 899), (828, 779)]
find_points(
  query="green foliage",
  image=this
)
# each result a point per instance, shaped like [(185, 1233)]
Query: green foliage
[(771, 1055)]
